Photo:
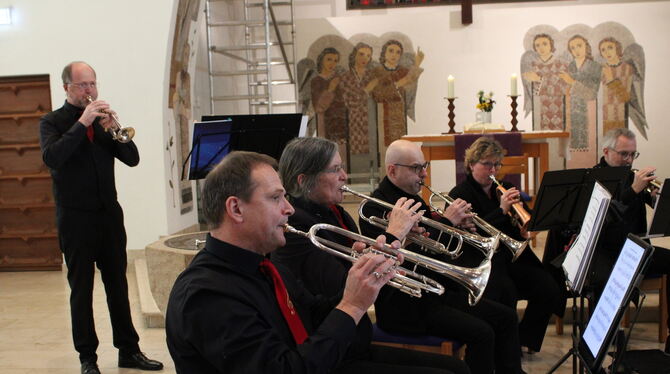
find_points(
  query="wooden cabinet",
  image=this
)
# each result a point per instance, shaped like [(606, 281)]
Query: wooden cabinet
[(28, 236)]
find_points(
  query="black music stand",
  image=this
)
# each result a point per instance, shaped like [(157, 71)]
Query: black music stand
[(561, 204), (564, 195), (628, 272), (217, 136), (660, 223)]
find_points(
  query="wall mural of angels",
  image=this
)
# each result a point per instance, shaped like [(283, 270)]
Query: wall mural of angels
[(584, 80), (359, 93)]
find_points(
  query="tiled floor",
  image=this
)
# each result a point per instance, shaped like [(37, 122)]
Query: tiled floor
[(35, 330)]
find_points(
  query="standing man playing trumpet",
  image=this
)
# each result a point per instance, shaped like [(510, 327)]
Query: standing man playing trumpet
[(526, 278), (488, 328), (80, 157), (620, 149)]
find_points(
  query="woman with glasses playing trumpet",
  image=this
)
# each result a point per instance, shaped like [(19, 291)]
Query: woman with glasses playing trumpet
[(488, 329), (313, 174), (526, 278)]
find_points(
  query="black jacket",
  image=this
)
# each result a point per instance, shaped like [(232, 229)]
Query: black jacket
[(82, 171)]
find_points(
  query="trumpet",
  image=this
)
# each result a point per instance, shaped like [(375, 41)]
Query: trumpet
[(515, 246), (119, 133), (520, 216), (653, 185), (408, 281), (486, 245)]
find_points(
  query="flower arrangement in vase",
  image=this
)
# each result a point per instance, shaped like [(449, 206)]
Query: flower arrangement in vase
[(485, 106)]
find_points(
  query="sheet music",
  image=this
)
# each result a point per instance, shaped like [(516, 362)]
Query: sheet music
[(612, 298), (579, 256)]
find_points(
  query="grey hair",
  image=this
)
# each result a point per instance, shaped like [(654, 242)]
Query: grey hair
[(308, 156), (610, 139), (230, 177), (66, 75)]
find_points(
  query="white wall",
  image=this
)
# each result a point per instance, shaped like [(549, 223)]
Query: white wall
[(484, 54), (128, 43)]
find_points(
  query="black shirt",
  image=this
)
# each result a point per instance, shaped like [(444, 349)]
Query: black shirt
[(82, 171), (222, 316)]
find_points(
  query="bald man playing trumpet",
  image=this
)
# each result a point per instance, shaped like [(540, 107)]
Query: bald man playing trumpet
[(488, 328)]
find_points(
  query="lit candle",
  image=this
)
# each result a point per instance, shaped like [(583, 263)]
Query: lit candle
[(513, 90), (450, 87)]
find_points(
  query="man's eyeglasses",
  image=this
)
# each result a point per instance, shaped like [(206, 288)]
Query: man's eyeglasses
[(489, 164), (625, 154), (84, 85), (336, 169), (417, 168)]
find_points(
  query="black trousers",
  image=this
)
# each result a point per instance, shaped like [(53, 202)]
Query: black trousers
[(525, 279), (488, 328), (89, 239), (389, 360)]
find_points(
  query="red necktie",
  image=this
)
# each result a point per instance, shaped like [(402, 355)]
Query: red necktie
[(340, 220), (285, 304), (89, 133)]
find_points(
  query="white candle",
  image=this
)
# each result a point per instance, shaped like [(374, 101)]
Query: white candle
[(513, 90), (450, 87)]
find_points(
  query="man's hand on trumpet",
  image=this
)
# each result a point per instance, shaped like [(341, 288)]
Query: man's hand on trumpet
[(459, 213), (404, 218), (366, 277), (93, 110), (642, 178)]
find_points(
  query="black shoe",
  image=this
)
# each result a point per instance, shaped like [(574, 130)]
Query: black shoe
[(139, 361), (89, 367)]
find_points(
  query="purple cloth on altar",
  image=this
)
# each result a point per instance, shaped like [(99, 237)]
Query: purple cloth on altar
[(510, 141)]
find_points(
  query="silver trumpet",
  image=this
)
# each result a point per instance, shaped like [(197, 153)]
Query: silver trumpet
[(119, 133), (486, 245), (409, 282), (515, 246), (473, 279)]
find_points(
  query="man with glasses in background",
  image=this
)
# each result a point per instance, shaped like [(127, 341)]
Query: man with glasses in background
[(620, 149), (489, 328), (80, 156)]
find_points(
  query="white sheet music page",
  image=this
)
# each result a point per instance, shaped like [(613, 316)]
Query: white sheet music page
[(580, 253)]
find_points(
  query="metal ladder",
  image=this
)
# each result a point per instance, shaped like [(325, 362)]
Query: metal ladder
[(251, 56)]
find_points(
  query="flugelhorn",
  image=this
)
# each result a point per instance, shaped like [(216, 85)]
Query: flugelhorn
[(515, 246), (119, 133), (486, 245), (408, 281), (653, 185), (520, 216)]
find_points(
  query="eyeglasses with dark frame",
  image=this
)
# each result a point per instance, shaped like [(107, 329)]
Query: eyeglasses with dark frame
[(625, 154), (489, 164), (417, 168)]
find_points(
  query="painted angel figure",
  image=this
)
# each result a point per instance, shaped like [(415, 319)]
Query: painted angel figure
[(623, 85), (395, 89), (327, 99), (357, 83), (583, 80), (541, 69)]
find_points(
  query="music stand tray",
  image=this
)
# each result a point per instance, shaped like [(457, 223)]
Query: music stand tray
[(564, 195)]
